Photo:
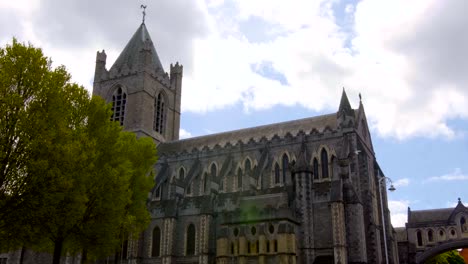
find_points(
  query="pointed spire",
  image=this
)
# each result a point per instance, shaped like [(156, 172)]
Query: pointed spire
[(132, 53), (345, 106)]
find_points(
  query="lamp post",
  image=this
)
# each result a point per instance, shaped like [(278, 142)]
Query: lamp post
[(384, 227)]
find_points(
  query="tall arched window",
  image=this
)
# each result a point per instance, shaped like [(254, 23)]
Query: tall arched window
[(213, 171), (119, 100), (155, 251), (324, 161), (181, 174), (159, 114), (316, 169), (239, 179), (419, 237), (463, 224), (248, 167), (277, 173), (285, 167), (190, 242)]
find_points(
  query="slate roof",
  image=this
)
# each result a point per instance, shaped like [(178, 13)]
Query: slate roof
[(130, 56), (433, 215), (268, 131)]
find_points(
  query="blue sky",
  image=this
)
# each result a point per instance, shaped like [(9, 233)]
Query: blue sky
[(248, 63)]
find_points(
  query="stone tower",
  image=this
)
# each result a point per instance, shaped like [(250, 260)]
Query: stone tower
[(145, 99)]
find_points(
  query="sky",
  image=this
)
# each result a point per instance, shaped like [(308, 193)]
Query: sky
[(248, 63)]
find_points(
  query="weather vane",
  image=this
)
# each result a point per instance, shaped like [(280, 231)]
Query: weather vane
[(144, 13)]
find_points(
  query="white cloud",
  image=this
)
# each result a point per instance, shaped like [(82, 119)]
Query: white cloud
[(398, 211), (456, 175), (401, 182), (184, 134), (405, 58)]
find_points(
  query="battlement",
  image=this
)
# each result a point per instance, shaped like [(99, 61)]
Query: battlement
[(101, 56)]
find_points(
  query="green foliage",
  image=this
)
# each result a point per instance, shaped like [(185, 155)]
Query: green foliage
[(451, 257), (70, 178)]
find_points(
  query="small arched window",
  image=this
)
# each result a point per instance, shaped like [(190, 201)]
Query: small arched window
[(159, 114), (285, 167), (275, 246), (324, 161), (232, 248), (248, 247), (316, 169), (157, 194), (419, 238), (277, 174), (268, 246), (190, 243), (239, 179), (430, 236), (181, 174), (119, 100), (156, 247), (189, 189)]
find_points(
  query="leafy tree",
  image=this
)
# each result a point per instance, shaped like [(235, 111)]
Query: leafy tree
[(451, 257), (71, 179)]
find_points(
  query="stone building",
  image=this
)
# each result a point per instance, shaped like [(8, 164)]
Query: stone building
[(303, 191), (431, 232)]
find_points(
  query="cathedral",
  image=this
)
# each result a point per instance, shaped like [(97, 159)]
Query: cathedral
[(302, 191)]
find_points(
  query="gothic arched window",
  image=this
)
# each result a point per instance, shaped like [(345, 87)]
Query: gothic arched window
[(159, 114), (419, 237), (316, 169), (190, 241), (213, 171), (324, 161), (155, 251), (430, 235), (285, 167), (248, 166), (119, 100), (181, 174), (277, 173), (239, 179)]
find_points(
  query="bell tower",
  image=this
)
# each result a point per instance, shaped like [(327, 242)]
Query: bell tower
[(145, 99)]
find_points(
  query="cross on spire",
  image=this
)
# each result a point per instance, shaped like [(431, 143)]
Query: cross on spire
[(144, 13)]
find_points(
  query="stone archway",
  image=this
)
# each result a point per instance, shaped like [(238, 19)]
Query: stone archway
[(445, 246)]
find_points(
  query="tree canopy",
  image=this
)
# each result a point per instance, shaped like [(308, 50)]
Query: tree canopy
[(449, 257), (70, 179)]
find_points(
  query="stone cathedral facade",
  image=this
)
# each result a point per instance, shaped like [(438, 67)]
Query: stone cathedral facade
[(302, 191)]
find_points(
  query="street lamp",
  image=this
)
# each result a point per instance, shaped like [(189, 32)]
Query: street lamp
[(392, 188)]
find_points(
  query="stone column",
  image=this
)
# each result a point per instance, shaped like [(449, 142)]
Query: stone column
[(167, 240), (203, 246), (339, 232)]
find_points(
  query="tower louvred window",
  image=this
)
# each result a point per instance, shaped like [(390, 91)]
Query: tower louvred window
[(119, 100), (159, 114)]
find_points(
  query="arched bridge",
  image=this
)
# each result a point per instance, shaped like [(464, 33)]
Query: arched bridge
[(421, 257)]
